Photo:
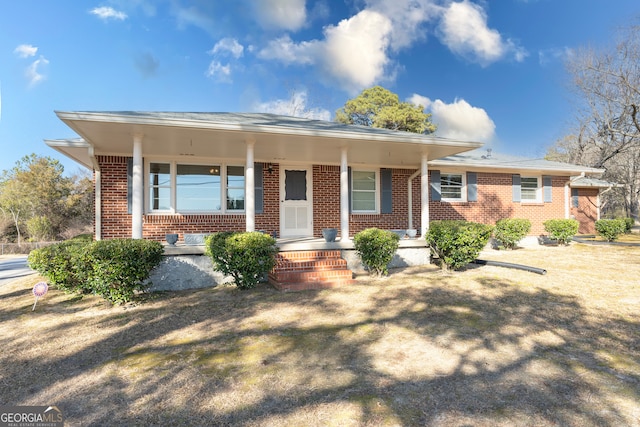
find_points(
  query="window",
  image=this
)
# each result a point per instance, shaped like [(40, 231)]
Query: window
[(198, 188), (529, 189), (160, 186), (452, 186), (364, 191), (235, 188)]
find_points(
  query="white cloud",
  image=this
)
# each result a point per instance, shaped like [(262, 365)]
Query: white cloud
[(295, 106), (25, 50), (458, 120), (34, 71), (416, 99), (229, 45), (105, 13), (289, 15), (546, 56), (219, 72), (287, 51), (407, 18), (186, 16), (354, 52), (463, 29)]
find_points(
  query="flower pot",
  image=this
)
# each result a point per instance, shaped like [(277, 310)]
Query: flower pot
[(329, 234), (412, 232), (171, 238)]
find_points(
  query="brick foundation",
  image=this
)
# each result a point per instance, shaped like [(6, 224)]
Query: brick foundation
[(302, 270)]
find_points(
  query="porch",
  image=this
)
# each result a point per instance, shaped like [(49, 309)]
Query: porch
[(186, 266)]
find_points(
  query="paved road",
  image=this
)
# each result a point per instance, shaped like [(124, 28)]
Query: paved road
[(12, 268)]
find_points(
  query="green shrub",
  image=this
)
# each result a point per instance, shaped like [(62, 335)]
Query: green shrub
[(39, 228), (120, 267), (114, 269), (63, 265), (246, 257), (628, 224), (376, 249), (509, 231), (457, 243), (562, 230), (610, 229)]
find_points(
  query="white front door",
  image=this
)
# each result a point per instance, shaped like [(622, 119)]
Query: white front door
[(296, 202)]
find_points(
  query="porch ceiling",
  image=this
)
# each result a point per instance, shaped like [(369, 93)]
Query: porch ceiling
[(277, 139)]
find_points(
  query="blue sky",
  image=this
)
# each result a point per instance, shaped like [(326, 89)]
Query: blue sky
[(489, 71)]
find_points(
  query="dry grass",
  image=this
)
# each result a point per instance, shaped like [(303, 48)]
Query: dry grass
[(484, 347)]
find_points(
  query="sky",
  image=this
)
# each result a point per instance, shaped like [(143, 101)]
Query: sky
[(488, 71)]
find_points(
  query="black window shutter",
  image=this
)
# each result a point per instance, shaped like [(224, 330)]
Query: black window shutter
[(574, 198), (129, 183), (546, 184), (472, 187), (386, 192), (435, 185), (259, 187), (516, 187)]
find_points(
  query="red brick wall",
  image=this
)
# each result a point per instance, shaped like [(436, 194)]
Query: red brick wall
[(587, 211), (116, 222), (494, 202)]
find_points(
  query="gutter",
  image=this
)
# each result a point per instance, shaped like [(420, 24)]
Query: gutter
[(410, 197), (97, 186)]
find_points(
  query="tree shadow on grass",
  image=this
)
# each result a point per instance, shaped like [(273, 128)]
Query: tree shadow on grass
[(410, 354)]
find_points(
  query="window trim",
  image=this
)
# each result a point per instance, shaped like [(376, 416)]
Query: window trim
[(225, 190), (463, 189), (173, 170), (539, 189), (376, 192)]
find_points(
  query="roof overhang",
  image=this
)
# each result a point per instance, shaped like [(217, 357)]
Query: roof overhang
[(511, 164), (276, 139)]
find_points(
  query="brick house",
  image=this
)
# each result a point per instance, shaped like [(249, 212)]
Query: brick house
[(184, 173)]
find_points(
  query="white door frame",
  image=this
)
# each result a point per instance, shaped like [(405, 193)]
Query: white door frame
[(308, 204)]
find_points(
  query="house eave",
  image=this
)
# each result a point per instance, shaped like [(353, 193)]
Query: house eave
[(277, 139)]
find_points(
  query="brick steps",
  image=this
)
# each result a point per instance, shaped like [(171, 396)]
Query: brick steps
[(302, 270)]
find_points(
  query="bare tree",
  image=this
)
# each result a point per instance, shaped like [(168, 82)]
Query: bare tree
[(607, 85)]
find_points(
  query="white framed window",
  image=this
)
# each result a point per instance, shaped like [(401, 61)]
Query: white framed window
[(194, 187), (198, 188), (530, 189), (452, 187), (364, 191), (235, 188), (160, 186)]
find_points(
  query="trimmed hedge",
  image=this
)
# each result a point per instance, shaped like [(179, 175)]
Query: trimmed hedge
[(114, 269), (376, 249), (562, 230), (628, 224), (610, 229), (457, 243), (509, 231), (246, 257)]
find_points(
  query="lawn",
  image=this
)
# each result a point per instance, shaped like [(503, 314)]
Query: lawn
[(487, 346)]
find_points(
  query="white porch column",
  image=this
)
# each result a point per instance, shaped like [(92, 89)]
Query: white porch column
[(137, 191), (249, 189), (344, 196), (424, 197)]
